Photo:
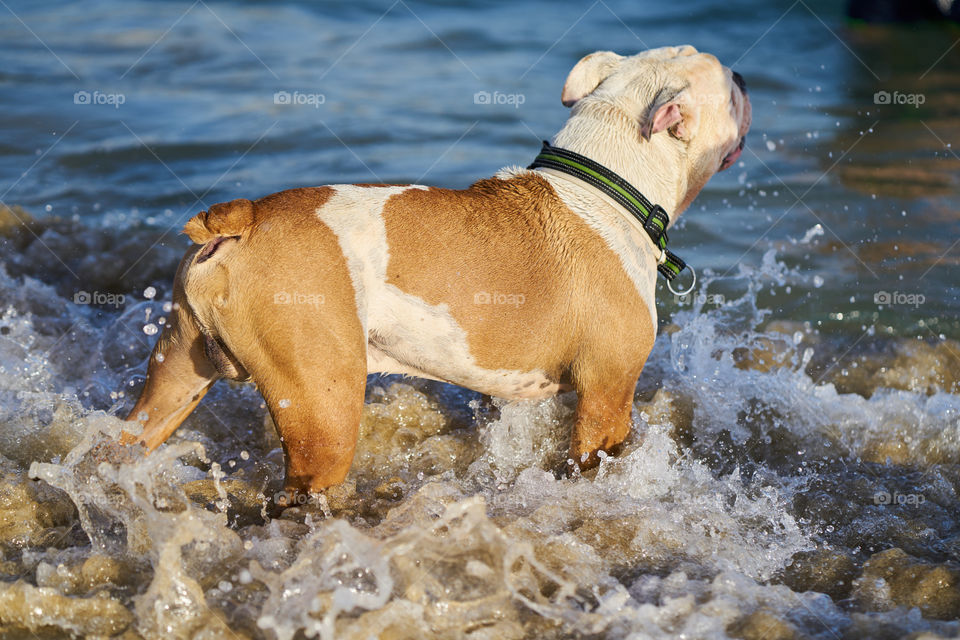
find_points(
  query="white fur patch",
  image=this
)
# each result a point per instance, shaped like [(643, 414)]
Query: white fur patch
[(354, 214), (405, 334)]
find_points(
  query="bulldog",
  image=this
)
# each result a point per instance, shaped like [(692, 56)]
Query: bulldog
[(525, 284)]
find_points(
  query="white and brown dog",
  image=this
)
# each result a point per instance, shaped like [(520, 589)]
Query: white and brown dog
[(522, 285)]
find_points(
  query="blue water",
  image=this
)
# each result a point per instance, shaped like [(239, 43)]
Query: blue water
[(767, 426), (198, 123)]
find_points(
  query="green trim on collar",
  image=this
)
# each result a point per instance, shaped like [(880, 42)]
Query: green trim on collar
[(652, 217)]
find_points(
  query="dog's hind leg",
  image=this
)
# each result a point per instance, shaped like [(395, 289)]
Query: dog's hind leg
[(178, 375), (309, 361), (316, 400), (280, 300)]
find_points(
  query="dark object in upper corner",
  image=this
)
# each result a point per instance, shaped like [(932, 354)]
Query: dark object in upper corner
[(903, 10)]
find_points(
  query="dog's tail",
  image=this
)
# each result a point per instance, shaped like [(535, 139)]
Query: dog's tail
[(224, 219)]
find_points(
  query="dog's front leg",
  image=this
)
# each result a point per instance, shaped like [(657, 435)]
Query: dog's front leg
[(604, 405)]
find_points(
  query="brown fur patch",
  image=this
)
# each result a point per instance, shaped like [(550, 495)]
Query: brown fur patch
[(516, 238)]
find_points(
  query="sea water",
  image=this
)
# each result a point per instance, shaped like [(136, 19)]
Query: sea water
[(792, 468)]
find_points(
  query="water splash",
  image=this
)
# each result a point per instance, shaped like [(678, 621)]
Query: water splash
[(462, 517)]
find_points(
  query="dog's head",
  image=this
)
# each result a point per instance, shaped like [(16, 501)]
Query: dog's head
[(673, 96)]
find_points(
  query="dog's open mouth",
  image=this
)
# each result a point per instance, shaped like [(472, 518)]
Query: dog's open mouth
[(734, 155)]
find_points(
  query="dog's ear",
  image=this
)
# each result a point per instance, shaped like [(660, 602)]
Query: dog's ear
[(587, 75), (670, 110)]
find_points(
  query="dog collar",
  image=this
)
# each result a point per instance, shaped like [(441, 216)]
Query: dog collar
[(652, 218)]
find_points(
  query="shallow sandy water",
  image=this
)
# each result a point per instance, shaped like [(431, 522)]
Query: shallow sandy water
[(778, 481)]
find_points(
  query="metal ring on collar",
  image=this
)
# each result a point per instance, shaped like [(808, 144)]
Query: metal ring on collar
[(688, 289)]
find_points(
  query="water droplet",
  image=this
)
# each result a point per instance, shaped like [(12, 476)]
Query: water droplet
[(150, 329), (283, 404), (149, 293)]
